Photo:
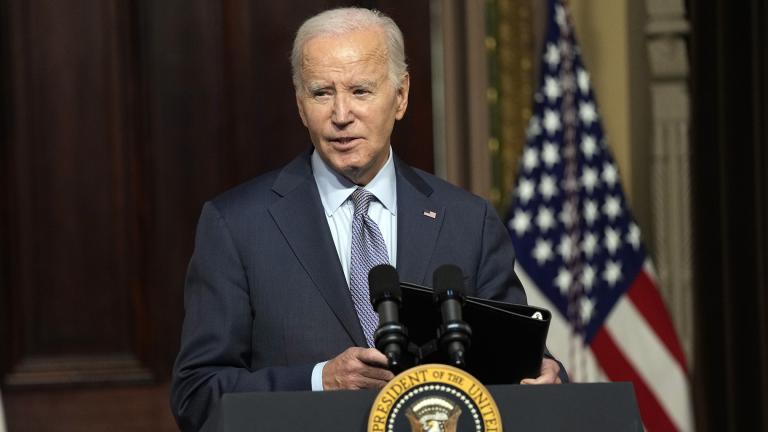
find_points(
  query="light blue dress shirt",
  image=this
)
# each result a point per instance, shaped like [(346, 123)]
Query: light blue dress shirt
[(335, 191)]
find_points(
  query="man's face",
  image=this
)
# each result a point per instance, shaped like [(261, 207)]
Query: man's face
[(348, 102)]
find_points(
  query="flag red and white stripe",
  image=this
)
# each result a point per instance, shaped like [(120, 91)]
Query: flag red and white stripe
[(637, 343)]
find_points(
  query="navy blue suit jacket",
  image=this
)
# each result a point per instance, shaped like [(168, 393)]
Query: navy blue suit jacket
[(266, 298)]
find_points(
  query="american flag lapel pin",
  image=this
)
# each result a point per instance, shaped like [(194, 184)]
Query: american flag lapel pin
[(430, 214)]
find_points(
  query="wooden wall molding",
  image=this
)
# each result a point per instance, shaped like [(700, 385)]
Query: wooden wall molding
[(43, 371)]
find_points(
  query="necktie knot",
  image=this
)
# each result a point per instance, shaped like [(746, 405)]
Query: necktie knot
[(361, 198)]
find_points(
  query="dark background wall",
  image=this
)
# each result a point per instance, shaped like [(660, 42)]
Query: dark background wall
[(119, 119), (729, 53)]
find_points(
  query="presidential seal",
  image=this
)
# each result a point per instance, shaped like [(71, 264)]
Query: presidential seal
[(434, 398)]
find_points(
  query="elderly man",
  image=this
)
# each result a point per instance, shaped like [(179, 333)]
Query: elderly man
[(276, 291)]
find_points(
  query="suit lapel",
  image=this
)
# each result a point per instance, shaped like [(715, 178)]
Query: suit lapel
[(299, 216), (419, 220)]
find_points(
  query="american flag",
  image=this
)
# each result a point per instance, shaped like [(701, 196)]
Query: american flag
[(579, 251)]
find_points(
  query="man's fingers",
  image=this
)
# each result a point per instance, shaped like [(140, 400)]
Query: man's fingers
[(377, 373), (543, 379), (372, 356), (356, 368), (549, 373), (363, 382), (373, 364), (530, 381)]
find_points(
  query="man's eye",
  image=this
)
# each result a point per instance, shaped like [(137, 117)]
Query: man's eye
[(361, 92), (320, 93)]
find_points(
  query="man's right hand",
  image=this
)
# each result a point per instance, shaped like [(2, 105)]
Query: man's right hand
[(356, 368)]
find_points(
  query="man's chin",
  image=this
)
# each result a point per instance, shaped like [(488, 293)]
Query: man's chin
[(359, 175), (354, 170), (354, 174)]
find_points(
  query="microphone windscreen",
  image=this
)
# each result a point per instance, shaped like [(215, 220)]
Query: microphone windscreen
[(448, 280), (384, 283)]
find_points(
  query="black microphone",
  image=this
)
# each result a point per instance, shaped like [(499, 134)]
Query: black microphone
[(454, 334), (391, 338)]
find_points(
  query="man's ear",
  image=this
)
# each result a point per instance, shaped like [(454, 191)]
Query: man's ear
[(402, 96), (301, 108)]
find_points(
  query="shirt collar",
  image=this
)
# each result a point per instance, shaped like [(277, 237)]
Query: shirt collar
[(335, 189)]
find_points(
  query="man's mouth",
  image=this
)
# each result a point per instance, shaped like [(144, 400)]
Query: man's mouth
[(343, 140)]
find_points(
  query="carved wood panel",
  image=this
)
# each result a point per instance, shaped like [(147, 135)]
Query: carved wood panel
[(72, 271)]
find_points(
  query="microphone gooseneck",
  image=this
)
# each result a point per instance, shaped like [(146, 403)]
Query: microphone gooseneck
[(454, 334), (391, 338)]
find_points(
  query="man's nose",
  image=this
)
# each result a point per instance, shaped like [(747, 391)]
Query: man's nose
[(342, 114)]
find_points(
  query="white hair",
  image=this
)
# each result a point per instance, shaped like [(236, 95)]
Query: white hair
[(345, 20)]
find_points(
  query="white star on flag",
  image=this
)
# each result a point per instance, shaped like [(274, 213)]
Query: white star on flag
[(534, 128), (610, 175), (566, 215), (552, 88), (587, 113), (589, 244), (530, 159), (545, 219), (612, 207), (560, 18), (589, 179), (587, 307), (543, 251), (582, 78), (521, 222), (612, 240), (552, 122), (633, 236), (552, 57), (525, 190), (590, 212), (547, 187), (565, 248), (564, 280), (587, 277), (612, 272), (588, 146), (551, 154)]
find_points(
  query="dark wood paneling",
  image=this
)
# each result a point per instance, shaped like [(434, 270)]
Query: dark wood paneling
[(71, 219)]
